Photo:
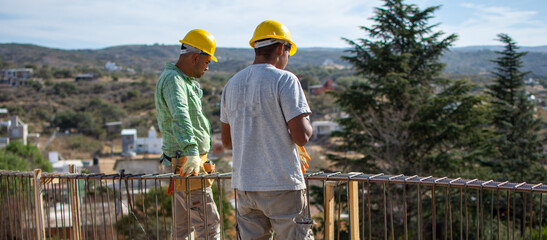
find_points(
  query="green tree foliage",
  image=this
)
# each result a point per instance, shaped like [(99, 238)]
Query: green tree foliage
[(17, 156), (405, 118), (80, 121), (65, 89), (44, 72), (105, 111), (517, 141), (61, 73)]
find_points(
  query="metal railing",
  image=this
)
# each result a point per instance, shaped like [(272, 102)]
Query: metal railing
[(343, 206)]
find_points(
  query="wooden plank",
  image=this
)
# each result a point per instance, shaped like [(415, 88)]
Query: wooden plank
[(354, 209), (329, 209), (75, 206), (39, 210)]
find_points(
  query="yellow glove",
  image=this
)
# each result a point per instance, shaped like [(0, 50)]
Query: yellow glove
[(304, 158), (191, 166)]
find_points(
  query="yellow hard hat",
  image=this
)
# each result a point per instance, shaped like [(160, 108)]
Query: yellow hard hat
[(201, 40), (273, 29)]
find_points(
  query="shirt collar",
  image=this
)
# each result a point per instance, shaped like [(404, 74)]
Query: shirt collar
[(171, 66)]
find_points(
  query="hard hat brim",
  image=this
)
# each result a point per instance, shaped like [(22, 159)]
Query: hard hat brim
[(293, 46), (208, 53)]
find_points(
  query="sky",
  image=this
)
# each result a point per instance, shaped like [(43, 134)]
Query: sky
[(95, 24)]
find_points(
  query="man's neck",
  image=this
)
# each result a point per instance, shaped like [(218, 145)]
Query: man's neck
[(182, 68), (262, 60)]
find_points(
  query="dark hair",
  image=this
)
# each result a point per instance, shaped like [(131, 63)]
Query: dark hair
[(268, 51)]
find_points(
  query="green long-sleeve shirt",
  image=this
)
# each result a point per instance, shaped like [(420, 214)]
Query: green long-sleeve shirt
[(178, 107)]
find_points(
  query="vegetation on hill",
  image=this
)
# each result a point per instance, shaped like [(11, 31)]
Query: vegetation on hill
[(20, 157)]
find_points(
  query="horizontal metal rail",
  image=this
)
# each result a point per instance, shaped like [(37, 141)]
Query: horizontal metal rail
[(361, 177)]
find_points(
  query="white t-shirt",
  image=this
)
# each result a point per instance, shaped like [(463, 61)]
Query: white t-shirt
[(257, 103)]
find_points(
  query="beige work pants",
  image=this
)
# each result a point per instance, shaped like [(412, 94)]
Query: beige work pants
[(260, 213), (197, 215)]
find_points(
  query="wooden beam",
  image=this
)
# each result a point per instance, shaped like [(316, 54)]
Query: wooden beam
[(354, 209), (329, 205), (75, 206), (39, 212)]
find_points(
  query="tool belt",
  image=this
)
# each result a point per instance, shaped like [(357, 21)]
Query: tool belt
[(207, 168)]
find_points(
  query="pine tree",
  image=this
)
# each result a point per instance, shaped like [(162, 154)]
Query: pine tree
[(514, 118), (404, 117)]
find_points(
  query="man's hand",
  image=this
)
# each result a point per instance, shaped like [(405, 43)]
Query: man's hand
[(191, 166)]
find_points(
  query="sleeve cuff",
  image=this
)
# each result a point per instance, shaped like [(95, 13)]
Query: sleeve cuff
[(191, 151)]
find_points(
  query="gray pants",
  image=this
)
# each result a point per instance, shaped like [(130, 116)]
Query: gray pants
[(180, 225), (260, 213)]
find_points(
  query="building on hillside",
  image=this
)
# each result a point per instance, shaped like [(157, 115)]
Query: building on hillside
[(3, 113), (17, 76), (111, 66), (17, 130), (86, 77), (113, 127), (60, 165), (330, 64), (151, 144), (328, 85), (129, 141), (4, 139), (4, 127), (323, 128), (531, 82), (131, 144)]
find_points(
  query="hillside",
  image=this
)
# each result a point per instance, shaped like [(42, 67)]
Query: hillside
[(81, 109), (150, 58), (471, 61), (147, 58)]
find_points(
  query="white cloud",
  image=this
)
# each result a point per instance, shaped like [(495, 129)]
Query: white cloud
[(102, 23), (487, 21)]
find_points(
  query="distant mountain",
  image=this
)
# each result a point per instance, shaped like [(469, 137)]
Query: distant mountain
[(151, 58), (499, 48), (477, 60)]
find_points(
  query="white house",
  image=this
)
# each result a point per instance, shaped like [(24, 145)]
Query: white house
[(151, 144), (321, 128), (60, 165), (17, 76), (129, 141), (111, 66), (131, 144), (17, 130)]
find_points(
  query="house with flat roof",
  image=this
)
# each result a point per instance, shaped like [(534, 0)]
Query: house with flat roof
[(17, 76), (131, 144)]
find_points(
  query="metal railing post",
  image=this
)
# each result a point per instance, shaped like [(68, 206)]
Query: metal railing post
[(39, 211)]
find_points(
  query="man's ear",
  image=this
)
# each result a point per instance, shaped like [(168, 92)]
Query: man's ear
[(279, 49), (195, 58)]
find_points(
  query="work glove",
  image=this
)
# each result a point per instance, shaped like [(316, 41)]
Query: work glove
[(304, 158), (191, 166)]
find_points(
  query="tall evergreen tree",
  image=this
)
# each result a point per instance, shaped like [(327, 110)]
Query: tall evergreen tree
[(403, 117), (514, 118)]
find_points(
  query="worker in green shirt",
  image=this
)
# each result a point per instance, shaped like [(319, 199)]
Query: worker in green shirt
[(186, 135)]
